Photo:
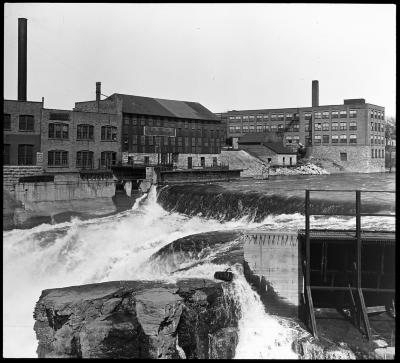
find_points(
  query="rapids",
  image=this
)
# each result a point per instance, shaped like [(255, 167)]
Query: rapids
[(133, 245)]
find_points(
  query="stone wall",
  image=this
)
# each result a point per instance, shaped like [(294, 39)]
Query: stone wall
[(358, 158), (11, 174)]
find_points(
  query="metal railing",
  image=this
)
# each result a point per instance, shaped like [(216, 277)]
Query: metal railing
[(358, 289)]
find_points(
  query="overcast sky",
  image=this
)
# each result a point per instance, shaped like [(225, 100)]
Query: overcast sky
[(225, 56)]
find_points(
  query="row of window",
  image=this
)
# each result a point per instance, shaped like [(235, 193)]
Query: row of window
[(335, 139), (376, 139), (295, 116), (318, 126), (131, 120), (26, 122), (84, 159), (377, 127), (25, 154), (377, 153), (376, 114), (83, 132)]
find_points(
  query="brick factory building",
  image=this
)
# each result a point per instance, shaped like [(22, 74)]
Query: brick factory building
[(76, 140), (351, 134), (159, 131), (21, 131)]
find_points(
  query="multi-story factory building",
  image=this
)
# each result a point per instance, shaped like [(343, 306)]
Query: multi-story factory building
[(159, 131), (21, 131), (76, 140), (351, 134)]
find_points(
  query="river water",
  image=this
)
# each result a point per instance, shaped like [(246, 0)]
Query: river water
[(123, 246)]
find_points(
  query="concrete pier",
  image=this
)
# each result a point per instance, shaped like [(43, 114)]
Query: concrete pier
[(274, 258)]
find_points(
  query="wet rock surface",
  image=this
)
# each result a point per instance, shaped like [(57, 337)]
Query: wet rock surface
[(192, 318)]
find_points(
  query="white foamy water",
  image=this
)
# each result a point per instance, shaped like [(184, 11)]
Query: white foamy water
[(117, 248)]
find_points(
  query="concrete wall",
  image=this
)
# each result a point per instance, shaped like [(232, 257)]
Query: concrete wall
[(66, 191), (199, 176), (358, 158), (11, 174), (275, 256), (266, 155)]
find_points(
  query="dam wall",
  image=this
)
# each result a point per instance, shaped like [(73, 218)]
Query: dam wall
[(58, 191), (273, 264)]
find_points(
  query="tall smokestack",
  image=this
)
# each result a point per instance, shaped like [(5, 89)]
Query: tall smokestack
[(98, 91), (315, 94), (22, 55)]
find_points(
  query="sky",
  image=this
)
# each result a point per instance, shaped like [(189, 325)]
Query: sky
[(224, 56)]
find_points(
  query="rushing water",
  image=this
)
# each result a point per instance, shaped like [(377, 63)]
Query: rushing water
[(127, 246)]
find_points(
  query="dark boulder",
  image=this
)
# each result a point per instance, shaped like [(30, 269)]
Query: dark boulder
[(192, 318)]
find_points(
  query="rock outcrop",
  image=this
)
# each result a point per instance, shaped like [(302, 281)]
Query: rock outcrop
[(192, 318)]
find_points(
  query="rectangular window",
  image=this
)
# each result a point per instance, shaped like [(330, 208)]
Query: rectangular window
[(317, 139), (6, 154), (274, 127), (251, 117), (273, 117), (280, 127), (280, 117), (335, 126), (371, 114), (84, 132), (325, 114), (325, 126), (296, 127), (288, 139), (260, 128), (238, 129), (26, 123), (372, 153), (251, 128), (343, 156), (335, 114), (108, 133), (245, 128), (6, 122), (25, 154), (296, 139), (107, 159), (353, 125), (150, 140), (289, 117), (259, 117), (343, 139), (325, 139), (134, 140), (343, 114), (372, 139), (307, 115), (353, 139), (232, 129), (57, 158), (317, 115), (376, 153), (343, 126), (84, 159), (267, 127), (317, 126), (353, 113), (58, 131), (335, 139), (246, 118), (307, 127)]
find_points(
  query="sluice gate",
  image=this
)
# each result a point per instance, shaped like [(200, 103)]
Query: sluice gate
[(351, 271)]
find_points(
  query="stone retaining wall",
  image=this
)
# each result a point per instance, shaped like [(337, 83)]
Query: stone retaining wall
[(11, 174)]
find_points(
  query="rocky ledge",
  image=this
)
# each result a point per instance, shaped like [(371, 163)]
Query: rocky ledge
[(191, 318)]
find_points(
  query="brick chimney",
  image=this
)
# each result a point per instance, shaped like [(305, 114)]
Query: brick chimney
[(315, 94), (22, 58)]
